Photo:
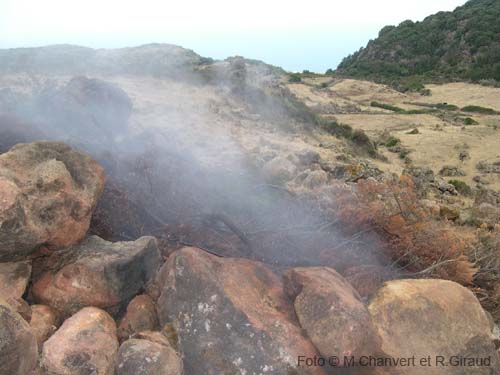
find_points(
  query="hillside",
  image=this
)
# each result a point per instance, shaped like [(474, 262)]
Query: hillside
[(163, 213), (463, 44)]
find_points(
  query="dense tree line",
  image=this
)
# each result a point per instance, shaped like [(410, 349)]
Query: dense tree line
[(464, 43)]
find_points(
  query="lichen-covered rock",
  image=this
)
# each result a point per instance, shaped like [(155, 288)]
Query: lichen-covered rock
[(18, 348), (140, 316), (44, 322), (231, 316), (85, 344), (435, 318), (143, 357), (48, 192), (331, 312), (96, 273)]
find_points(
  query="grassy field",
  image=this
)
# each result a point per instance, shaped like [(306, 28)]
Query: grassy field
[(444, 130)]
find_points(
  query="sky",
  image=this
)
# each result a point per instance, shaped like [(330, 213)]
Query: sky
[(294, 34)]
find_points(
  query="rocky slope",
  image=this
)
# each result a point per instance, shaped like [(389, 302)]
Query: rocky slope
[(206, 314), (228, 238)]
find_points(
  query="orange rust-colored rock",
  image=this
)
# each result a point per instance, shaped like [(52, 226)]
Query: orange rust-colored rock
[(331, 312), (48, 192), (436, 318), (44, 322), (140, 316), (97, 273), (231, 315), (86, 343)]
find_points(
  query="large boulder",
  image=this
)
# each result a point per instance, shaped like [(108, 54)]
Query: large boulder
[(231, 315), (85, 344), (48, 192), (330, 310), (435, 319), (140, 316), (18, 347), (144, 357), (96, 273)]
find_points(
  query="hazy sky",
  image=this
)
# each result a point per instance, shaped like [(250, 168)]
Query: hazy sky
[(297, 35)]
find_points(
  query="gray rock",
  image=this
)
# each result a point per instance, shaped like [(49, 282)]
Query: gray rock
[(143, 357), (18, 347), (231, 316)]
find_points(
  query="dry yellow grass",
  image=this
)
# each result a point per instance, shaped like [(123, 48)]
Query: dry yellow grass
[(438, 142), (463, 94)]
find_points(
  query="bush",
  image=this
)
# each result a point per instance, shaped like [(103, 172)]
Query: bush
[(387, 106), (446, 107), (470, 121), (403, 154), (414, 240), (360, 139), (478, 109), (295, 78), (339, 130), (461, 187), (392, 141)]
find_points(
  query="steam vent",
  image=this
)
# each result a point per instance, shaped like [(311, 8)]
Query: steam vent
[(164, 213)]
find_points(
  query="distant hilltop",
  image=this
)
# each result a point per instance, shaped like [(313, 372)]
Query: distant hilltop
[(463, 44)]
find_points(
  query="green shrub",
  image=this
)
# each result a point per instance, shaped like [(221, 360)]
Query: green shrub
[(403, 154), (295, 78), (446, 107), (413, 86), (461, 187), (387, 106), (324, 85), (478, 109), (339, 130), (470, 121), (418, 111), (392, 141), (359, 138)]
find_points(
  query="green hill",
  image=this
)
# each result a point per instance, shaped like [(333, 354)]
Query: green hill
[(462, 44)]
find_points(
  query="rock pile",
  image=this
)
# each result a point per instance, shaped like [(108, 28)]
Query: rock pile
[(77, 304)]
